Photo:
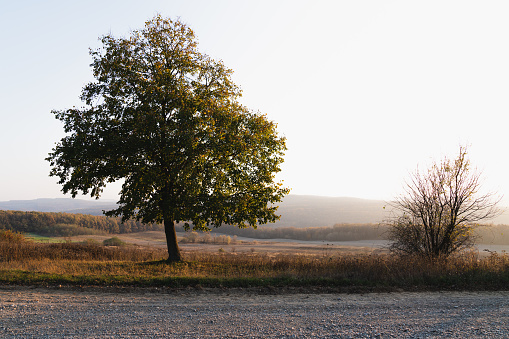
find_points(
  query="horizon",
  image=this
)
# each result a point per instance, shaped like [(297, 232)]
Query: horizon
[(320, 206), (113, 200), (365, 92)]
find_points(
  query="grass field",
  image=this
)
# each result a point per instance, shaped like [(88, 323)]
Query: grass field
[(43, 239), (243, 264)]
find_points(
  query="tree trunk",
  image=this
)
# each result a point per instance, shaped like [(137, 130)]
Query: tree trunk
[(171, 241)]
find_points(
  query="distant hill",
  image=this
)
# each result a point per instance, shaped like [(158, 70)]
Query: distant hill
[(316, 211), (67, 205), (296, 210)]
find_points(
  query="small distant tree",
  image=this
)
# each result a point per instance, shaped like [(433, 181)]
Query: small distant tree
[(440, 209), (11, 236), (166, 119), (115, 241)]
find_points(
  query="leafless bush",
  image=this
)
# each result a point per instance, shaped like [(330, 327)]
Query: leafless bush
[(207, 238), (440, 209)]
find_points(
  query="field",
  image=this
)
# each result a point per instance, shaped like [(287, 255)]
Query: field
[(84, 261), (217, 244)]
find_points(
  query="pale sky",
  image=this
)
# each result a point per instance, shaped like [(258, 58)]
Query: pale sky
[(364, 91)]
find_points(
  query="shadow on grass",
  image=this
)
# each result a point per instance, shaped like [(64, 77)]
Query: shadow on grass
[(165, 262)]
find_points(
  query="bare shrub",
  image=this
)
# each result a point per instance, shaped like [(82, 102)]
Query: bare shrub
[(12, 237), (207, 238), (439, 210), (115, 241)]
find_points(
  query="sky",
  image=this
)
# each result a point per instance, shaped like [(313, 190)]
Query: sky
[(364, 91)]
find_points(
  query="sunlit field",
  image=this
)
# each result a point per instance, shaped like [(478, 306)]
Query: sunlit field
[(243, 264)]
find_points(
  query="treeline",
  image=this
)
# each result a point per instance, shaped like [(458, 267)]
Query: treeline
[(492, 234), (485, 234), (338, 232), (66, 224), (207, 238)]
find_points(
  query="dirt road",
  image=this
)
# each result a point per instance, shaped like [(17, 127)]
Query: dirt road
[(42, 313)]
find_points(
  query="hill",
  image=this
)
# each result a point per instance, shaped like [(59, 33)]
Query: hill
[(66, 205), (316, 211), (296, 210)]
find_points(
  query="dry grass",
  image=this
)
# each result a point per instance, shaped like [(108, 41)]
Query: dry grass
[(27, 262), (27, 251)]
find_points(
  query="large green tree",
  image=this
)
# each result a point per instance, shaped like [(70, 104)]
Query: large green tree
[(167, 120)]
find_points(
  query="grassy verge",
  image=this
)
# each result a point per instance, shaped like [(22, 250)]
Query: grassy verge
[(89, 264), (42, 239)]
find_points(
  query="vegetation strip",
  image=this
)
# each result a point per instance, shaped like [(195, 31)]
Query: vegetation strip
[(53, 224), (24, 262), (474, 280)]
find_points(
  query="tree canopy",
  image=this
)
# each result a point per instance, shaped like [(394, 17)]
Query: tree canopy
[(440, 209), (167, 120)]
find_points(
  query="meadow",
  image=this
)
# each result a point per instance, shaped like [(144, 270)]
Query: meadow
[(51, 224), (241, 264)]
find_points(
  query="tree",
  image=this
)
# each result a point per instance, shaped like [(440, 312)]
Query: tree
[(440, 209), (166, 119)]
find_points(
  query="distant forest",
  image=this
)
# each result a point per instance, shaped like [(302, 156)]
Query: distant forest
[(486, 234), (338, 232), (67, 224)]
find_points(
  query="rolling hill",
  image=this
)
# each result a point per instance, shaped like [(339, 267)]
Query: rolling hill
[(296, 210)]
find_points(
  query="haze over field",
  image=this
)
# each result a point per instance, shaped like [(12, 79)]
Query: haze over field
[(364, 91), (295, 210)]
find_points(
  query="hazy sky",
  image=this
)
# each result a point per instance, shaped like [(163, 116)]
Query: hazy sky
[(364, 91)]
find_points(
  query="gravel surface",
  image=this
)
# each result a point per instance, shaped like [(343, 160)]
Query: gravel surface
[(44, 313)]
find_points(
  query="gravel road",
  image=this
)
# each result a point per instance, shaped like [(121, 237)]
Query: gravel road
[(44, 313)]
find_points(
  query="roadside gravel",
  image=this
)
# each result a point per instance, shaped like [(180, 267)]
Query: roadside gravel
[(53, 313)]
